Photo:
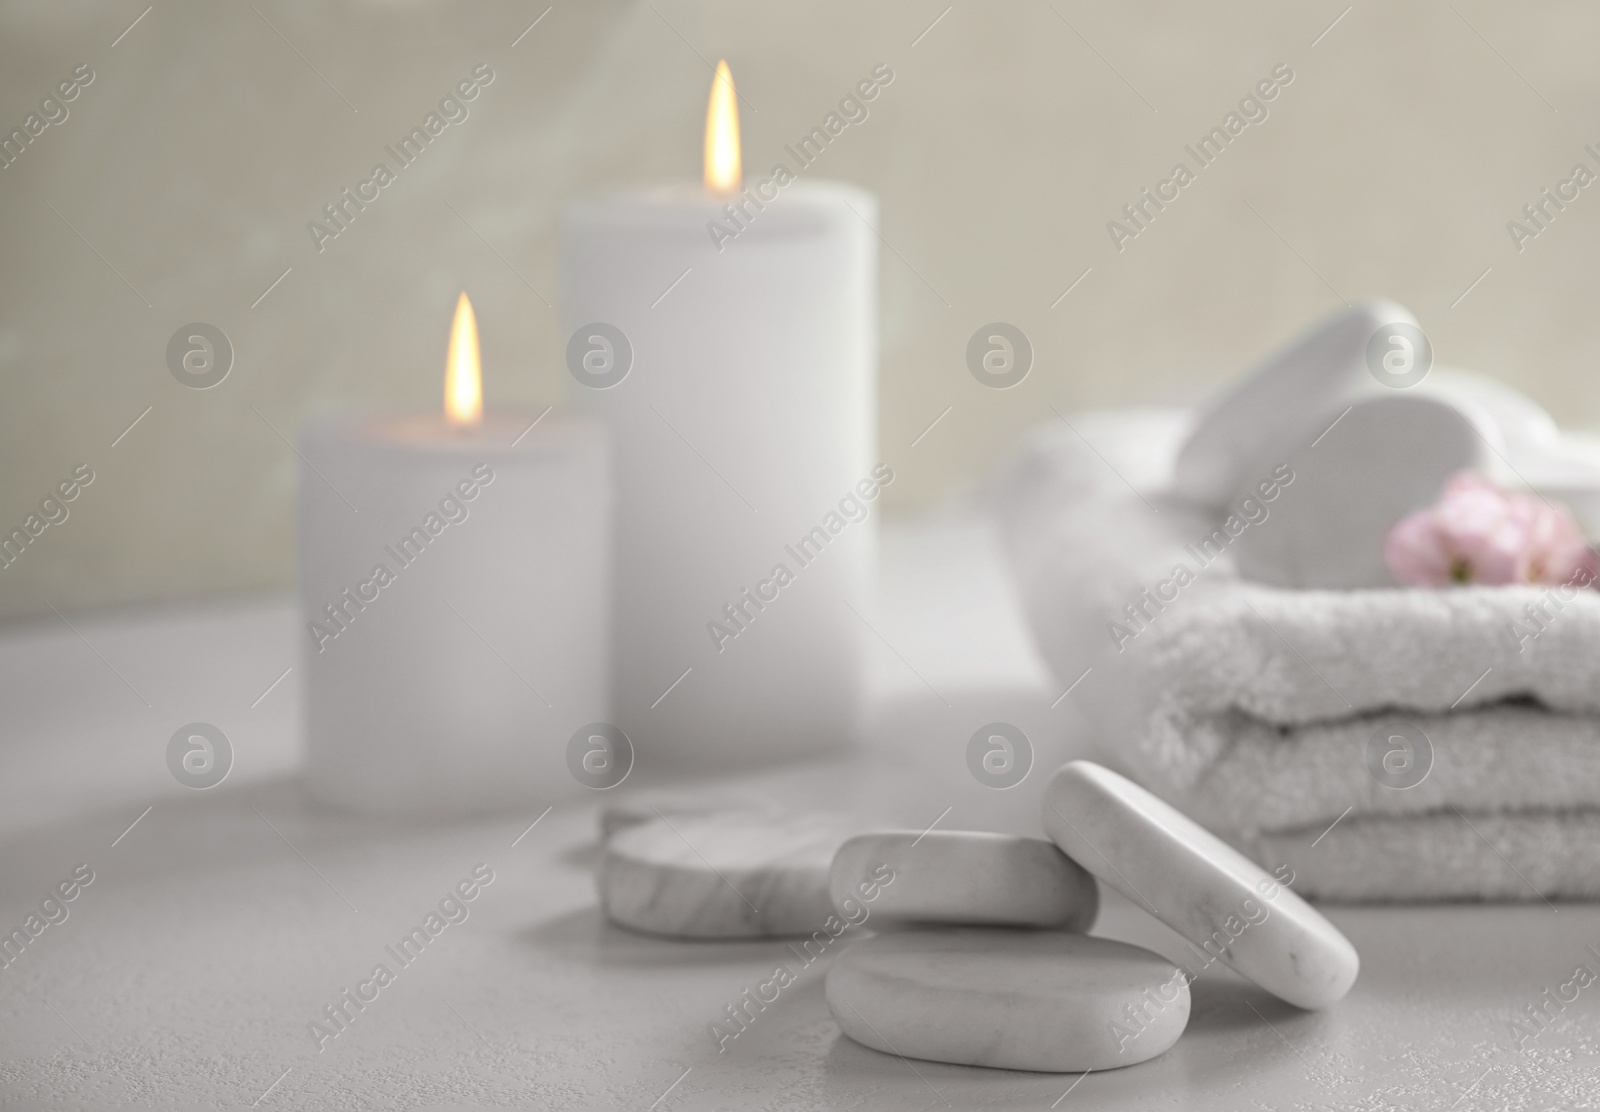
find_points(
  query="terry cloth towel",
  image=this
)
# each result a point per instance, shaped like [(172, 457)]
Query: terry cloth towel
[(1266, 714)]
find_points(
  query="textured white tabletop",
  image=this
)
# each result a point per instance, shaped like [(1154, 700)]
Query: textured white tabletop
[(222, 924)]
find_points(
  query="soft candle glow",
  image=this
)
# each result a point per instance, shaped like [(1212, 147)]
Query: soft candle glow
[(724, 174), (463, 370)]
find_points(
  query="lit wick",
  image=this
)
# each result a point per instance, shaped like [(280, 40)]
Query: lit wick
[(723, 171), (463, 370)]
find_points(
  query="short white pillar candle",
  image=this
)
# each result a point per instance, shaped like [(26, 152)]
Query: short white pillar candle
[(454, 586)]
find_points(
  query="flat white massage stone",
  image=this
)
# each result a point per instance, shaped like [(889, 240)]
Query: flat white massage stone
[(963, 878), (1198, 885), (1012, 999), (728, 875)]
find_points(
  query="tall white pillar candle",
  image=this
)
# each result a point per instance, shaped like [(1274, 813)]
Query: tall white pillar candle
[(737, 375), (454, 587)]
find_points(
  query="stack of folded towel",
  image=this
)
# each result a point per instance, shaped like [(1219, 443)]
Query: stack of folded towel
[(1266, 713)]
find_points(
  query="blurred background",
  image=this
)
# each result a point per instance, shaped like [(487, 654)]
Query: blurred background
[(178, 184)]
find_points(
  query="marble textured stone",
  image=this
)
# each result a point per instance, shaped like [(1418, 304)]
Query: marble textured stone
[(1013, 999), (963, 878), (724, 875), (650, 804), (1225, 905)]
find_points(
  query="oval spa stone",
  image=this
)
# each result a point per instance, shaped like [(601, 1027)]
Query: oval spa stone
[(963, 878), (1220, 901), (727, 875), (1013, 999)]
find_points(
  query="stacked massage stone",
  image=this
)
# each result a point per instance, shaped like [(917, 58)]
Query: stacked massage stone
[(972, 948)]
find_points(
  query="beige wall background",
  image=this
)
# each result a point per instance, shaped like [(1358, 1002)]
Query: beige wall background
[(180, 186)]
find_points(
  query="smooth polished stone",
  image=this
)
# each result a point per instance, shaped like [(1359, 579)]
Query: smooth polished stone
[(1226, 906), (1012, 999), (650, 804), (1385, 457), (728, 875), (962, 878), (1253, 427)]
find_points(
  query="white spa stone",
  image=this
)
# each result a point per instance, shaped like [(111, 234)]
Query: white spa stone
[(1011, 999), (1388, 456), (962, 878), (726, 875), (650, 804), (1227, 907)]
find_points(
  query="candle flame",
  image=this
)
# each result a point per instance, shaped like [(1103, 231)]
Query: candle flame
[(463, 369), (723, 170)]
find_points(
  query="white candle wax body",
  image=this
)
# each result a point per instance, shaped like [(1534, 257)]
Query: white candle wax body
[(745, 450), (454, 593)]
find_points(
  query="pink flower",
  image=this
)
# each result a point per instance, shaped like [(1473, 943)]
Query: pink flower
[(1478, 533)]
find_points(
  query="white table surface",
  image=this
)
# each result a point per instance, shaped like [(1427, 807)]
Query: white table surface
[(223, 922)]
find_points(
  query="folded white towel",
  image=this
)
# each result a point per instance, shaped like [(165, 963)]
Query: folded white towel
[(1253, 708), (1508, 856)]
